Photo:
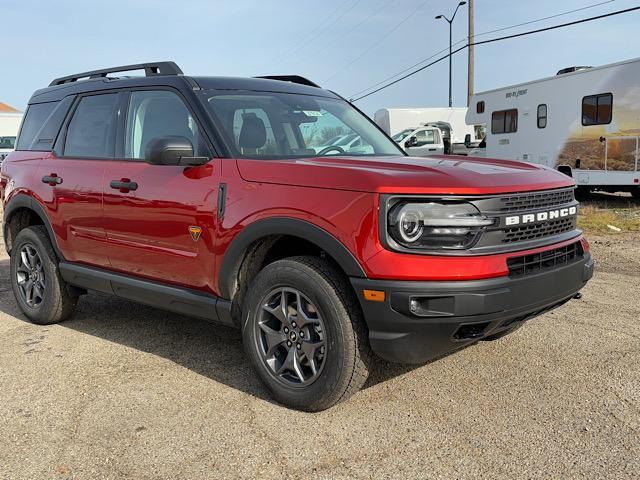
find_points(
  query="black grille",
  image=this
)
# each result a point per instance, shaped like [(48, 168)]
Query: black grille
[(547, 260), (538, 230), (532, 201)]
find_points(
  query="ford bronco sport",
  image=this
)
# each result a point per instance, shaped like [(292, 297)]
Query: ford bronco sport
[(210, 197)]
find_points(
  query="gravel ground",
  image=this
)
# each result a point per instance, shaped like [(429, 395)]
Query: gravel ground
[(126, 391)]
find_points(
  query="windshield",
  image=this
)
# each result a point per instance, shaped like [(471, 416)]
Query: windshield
[(270, 125), (398, 137), (7, 143)]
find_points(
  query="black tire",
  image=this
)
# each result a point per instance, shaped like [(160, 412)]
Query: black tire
[(635, 193), (58, 299), (345, 365)]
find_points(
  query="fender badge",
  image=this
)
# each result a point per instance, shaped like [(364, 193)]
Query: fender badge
[(195, 233)]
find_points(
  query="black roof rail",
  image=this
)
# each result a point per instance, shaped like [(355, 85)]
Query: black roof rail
[(292, 79), (150, 69)]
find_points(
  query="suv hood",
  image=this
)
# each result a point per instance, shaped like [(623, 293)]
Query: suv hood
[(425, 175)]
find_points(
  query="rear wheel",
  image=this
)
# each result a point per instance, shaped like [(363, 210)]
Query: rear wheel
[(304, 334), (40, 291)]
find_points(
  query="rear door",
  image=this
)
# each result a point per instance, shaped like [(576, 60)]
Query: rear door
[(161, 225), (71, 188)]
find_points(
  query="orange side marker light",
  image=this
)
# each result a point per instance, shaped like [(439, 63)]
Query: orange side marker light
[(374, 295)]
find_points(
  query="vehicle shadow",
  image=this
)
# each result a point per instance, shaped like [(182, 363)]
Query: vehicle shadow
[(208, 349)]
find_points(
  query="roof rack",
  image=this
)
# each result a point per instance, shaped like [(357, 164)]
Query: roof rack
[(150, 69), (292, 79)]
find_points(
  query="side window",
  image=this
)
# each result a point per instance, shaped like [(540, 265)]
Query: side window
[(480, 106), (91, 132), (159, 113), (597, 109), (425, 137), (504, 121), (36, 116), (542, 115)]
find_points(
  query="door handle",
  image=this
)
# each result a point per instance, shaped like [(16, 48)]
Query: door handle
[(124, 185), (52, 180), (432, 149)]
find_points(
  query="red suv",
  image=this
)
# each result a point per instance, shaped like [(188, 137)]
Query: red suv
[(227, 199)]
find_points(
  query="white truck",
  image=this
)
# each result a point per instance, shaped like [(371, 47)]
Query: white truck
[(457, 136), (9, 126), (583, 121), (421, 141)]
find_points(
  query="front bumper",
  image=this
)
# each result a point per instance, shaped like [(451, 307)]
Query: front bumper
[(454, 314)]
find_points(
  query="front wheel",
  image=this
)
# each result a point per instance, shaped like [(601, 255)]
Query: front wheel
[(304, 333)]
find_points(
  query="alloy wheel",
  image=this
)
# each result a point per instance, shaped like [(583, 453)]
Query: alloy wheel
[(291, 337), (30, 276)]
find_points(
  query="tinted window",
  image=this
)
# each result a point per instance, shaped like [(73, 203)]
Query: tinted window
[(157, 113), (597, 109), (7, 142), (92, 129), (47, 134), (504, 121), (33, 121), (542, 116)]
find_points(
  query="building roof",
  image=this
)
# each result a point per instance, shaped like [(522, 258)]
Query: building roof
[(4, 108)]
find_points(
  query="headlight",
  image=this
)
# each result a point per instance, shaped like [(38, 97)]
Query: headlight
[(435, 225)]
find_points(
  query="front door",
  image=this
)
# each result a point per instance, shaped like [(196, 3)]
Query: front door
[(160, 219)]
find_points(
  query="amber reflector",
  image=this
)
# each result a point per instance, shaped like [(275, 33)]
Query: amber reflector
[(374, 295)]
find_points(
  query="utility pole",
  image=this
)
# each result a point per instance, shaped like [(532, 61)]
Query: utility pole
[(470, 70), (444, 17)]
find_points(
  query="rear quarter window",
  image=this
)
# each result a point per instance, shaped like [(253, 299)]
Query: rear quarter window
[(35, 118)]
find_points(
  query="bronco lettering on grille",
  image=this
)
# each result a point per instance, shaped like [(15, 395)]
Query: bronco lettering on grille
[(541, 216)]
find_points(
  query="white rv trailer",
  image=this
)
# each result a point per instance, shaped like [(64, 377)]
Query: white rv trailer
[(583, 121)]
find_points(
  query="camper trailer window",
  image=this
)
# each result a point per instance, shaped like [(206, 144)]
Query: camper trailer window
[(504, 121), (597, 109), (480, 106), (542, 115)]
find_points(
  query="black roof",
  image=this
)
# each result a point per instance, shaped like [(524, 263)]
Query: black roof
[(169, 74)]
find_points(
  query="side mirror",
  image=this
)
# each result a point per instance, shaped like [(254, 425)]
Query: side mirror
[(412, 142), (467, 140), (172, 150)]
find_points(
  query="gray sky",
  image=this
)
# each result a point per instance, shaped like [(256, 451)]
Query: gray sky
[(344, 45)]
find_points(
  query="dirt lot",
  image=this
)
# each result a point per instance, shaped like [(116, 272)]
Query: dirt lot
[(127, 391)]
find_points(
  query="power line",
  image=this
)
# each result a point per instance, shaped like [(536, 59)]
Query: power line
[(379, 41), (355, 27), (480, 35), (545, 18), (319, 29), (491, 40)]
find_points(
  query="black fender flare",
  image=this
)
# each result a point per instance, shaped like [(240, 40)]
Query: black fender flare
[(22, 200), (283, 226)]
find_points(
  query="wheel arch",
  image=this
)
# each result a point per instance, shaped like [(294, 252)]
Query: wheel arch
[(272, 228), (25, 203)]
